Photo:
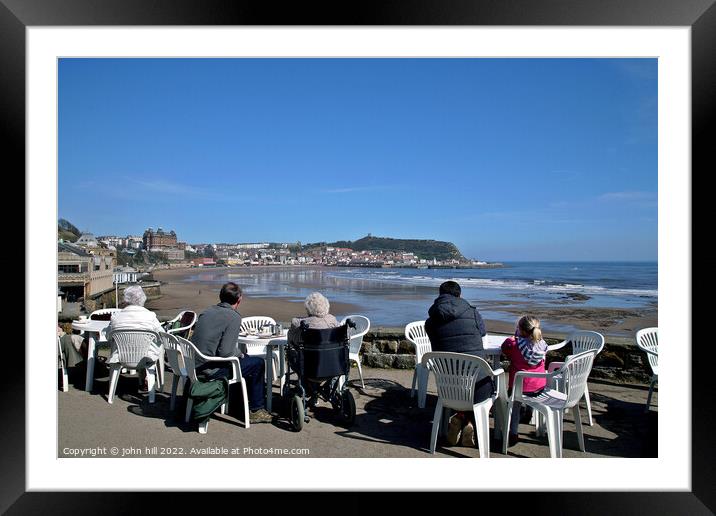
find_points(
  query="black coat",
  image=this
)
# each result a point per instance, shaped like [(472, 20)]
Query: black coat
[(454, 325)]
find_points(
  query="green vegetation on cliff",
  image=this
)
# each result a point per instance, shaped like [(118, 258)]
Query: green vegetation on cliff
[(67, 231), (426, 249)]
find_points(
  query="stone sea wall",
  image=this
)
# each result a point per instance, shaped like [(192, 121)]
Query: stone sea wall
[(619, 361)]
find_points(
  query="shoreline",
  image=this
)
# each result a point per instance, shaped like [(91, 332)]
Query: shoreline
[(179, 294)]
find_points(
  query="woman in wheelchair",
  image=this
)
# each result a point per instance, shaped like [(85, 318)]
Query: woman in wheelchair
[(318, 350), (318, 318)]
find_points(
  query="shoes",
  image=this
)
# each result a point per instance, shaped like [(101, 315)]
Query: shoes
[(260, 416), (512, 440), (454, 429), (468, 435)]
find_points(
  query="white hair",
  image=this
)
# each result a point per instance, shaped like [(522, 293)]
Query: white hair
[(317, 304), (134, 295)]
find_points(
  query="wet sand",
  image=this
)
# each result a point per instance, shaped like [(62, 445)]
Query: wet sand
[(179, 294)]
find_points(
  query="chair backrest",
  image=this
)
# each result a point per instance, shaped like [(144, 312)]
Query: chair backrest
[(133, 345), (186, 320), (415, 333), (104, 314), (648, 340), (455, 377), (575, 372), (60, 355), (189, 355), (362, 326), (586, 341), (173, 351), (255, 322)]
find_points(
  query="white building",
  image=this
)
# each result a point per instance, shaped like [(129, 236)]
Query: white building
[(126, 275)]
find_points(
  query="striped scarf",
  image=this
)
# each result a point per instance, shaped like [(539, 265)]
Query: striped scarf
[(532, 352)]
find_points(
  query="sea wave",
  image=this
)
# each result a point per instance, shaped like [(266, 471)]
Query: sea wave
[(500, 284)]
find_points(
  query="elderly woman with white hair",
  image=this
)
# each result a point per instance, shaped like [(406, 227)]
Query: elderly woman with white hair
[(317, 308), (134, 317)]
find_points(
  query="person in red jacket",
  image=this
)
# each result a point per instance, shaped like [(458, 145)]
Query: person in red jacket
[(526, 352)]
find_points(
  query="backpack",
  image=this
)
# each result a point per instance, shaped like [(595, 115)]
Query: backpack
[(207, 397)]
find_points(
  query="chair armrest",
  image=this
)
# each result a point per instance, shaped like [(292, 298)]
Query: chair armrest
[(234, 361), (650, 352), (497, 372), (553, 366), (559, 345)]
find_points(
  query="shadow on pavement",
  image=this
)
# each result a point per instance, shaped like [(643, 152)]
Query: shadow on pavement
[(392, 416)]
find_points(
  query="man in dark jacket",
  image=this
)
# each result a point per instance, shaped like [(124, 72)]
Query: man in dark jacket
[(454, 325), (216, 334)]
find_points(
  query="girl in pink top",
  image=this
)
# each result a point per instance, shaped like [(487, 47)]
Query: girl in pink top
[(526, 352)]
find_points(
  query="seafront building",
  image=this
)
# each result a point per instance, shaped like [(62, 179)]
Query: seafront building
[(84, 271), (162, 242)]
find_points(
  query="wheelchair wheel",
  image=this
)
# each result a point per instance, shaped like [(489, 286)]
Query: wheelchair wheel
[(348, 407), (297, 412)]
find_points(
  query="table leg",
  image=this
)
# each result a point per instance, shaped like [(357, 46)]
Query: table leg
[(91, 357), (269, 377)]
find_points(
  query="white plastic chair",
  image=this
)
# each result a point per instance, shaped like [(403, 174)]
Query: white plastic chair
[(61, 364), (581, 341), (189, 356), (415, 333), (132, 347), (455, 376), (362, 326), (173, 352), (648, 341), (181, 331), (551, 403), (258, 349)]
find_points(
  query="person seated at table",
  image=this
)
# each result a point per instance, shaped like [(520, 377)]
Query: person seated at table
[(526, 351), (317, 318), (135, 317), (74, 348), (454, 325), (216, 334)]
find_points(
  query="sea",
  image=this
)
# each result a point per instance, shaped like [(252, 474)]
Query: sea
[(392, 297)]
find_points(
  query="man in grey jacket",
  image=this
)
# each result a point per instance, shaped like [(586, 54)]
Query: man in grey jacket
[(216, 334)]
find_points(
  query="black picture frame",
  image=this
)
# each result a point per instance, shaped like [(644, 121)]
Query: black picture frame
[(700, 15)]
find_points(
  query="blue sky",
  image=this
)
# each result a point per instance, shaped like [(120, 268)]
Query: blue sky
[(510, 159)]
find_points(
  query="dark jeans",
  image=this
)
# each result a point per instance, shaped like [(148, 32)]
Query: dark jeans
[(253, 369)]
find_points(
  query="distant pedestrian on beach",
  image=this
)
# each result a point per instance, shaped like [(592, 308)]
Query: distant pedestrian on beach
[(526, 351), (216, 334), (454, 325)]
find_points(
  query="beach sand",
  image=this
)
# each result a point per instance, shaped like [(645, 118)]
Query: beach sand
[(179, 294)]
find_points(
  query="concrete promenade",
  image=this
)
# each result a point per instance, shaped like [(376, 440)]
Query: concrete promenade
[(388, 424)]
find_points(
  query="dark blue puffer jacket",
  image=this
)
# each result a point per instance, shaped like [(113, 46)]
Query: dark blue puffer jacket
[(454, 325)]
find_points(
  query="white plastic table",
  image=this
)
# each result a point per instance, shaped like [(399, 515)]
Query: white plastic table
[(493, 349), (95, 334), (270, 343)]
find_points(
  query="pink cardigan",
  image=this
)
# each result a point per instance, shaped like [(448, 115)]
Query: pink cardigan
[(518, 363)]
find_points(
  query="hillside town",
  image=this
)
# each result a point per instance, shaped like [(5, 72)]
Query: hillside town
[(93, 265)]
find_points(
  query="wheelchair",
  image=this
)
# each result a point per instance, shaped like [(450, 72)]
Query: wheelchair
[(319, 359)]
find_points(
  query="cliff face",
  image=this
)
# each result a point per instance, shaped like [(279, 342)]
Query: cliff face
[(426, 249), (67, 231)]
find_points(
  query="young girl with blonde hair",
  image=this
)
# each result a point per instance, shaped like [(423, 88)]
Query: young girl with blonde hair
[(526, 352)]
